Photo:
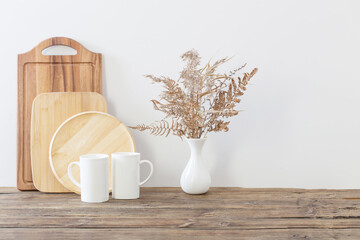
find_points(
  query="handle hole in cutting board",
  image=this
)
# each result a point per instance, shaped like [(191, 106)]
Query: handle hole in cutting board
[(59, 50)]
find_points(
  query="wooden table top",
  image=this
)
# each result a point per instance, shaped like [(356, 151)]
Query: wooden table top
[(168, 213)]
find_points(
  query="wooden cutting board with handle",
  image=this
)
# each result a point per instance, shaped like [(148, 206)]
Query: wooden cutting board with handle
[(38, 73), (49, 111)]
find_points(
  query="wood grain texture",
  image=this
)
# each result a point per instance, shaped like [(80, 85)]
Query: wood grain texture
[(168, 213), (49, 111), (86, 133), (179, 234), (38, 73)]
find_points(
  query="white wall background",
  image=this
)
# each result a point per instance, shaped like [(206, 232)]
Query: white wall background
[(300, 124)]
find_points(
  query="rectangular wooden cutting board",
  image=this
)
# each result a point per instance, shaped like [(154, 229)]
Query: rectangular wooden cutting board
[(49, 111), (38, 73)]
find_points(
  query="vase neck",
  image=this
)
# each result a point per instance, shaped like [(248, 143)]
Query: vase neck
[(196, 145)]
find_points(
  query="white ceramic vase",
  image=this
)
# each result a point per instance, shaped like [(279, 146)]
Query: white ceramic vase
[(195, 178)]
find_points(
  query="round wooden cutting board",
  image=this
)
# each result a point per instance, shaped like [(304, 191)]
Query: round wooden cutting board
[(84, 133)]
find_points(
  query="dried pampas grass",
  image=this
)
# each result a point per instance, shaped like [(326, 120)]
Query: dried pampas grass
[(199, 101)]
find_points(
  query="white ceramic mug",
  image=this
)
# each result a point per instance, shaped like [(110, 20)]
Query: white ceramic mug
[(94, 177), (126, 175)]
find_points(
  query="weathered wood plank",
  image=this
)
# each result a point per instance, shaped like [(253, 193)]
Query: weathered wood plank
[(178, 196), (178, 222), (176, 234), (226, 193), (287, 205), (323, 209), (168, 213)]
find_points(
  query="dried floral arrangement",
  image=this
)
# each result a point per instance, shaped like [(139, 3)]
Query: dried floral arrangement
[(200, 101)]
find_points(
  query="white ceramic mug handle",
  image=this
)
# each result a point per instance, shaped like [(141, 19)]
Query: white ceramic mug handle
[(151, 170), (70, 174)]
